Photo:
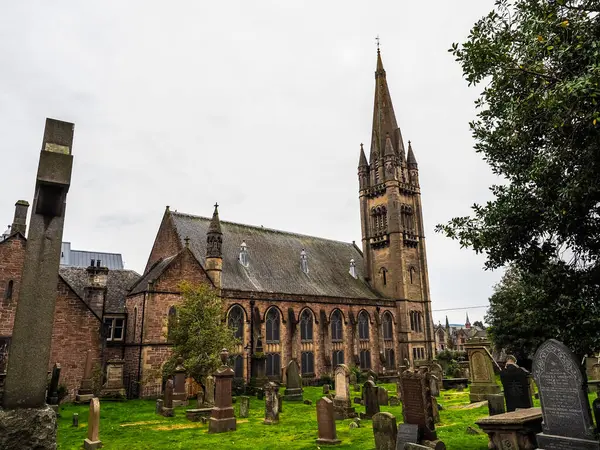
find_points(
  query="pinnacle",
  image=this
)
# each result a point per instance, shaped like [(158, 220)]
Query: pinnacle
[(215, 223)]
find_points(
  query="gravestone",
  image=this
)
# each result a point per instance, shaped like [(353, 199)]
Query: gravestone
[(53, 388), (159, 406), (200, 399), (436, 371), (417, 407), (567, 420), (271, 403), (25, 417), (481, 367), (293, 386), (326, 422), (114, 388), (496, 404), (370, 399), (167, 407), (383, 396), (92, 442), (209, 395), (85, 393), (512, 430), (222, 417), (516, 384), (385, 431), (244, 406), (341, 402), (326, 389), (394, 401), (407, 433), (434, 385), (75, 423), (179, 390), (435, 409)]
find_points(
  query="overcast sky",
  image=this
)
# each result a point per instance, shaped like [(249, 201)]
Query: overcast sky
[(258, 105)]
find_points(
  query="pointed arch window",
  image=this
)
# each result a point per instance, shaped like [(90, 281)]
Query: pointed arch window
[(387, 326), (337, 357), (273, 326), (306, 326), (363, 326), (336, 326), (308, 363), (171, 322), (416, 321), (365, 359), (379, 219), (235, 321), (8, 293), (383, 271)]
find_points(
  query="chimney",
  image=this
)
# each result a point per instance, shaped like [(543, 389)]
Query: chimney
[(95, 291), (19, 224)]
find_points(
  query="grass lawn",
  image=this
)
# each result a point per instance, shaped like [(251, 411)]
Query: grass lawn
[(134, 425)]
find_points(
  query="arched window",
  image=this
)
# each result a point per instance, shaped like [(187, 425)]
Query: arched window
[(273, 326), (336, 326), (387, 327), (363, 326), (9, 291), (308, 363), (383, 272), (338, 357), (306, 326), (235, 321), (416, 323), (365, 359), (379, 219), (171, 321)]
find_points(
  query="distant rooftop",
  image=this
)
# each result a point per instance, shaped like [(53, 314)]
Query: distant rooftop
[(83, 258)]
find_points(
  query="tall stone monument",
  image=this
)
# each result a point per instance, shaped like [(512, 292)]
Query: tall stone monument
[(85, 393), (341, 403), (179, 390), (417, 406), (222, 417), (481, 368), (26, 378), (567, 420), (92, 442), (326, 423)]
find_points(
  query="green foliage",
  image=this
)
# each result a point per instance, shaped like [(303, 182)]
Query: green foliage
[(199, 333), (449, 359), (538, 127)]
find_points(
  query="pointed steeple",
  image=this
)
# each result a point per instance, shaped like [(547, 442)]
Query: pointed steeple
[(384, 119), (467, 323), (214, 236), (411, 161), (447, 323), (215, 223), (362, 161)]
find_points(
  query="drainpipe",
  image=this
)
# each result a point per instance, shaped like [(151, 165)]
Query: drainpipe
[(139, 373)]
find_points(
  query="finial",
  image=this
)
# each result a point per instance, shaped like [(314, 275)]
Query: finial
[(377, 39), (408, 142), (224, 356), (167, 207), (361, 146), (216, 205), (187, 242)]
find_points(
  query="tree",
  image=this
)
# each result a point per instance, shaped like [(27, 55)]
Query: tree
[(479, 324), (199, 332), (537, 126)]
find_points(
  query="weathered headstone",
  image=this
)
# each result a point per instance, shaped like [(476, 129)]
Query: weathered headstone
[(222, 417), (436, 371), (434, 385), (32, 423), (244, 406), (85, 393), (435, 410), (114, 387), (200, 399), (370, 399), (326, 422), (167, 407), (209, 394), (53, 388), (481, 367), (341, 403), (512, 430), (516, 384), (293, 386), (75, 423), (93, 437), (496, 404), (385, 431), (417, 407), (407, 433), (326, 389), (159, 405), (567, 420), (271, 404), (383, 396), (394, 401), (179, 390)]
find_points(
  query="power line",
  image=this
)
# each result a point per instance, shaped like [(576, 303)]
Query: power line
[(455, 309)]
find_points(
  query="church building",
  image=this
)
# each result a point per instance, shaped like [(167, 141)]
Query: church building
[(319, 301)]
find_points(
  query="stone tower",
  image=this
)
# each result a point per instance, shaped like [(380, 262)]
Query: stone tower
[(393, 239)]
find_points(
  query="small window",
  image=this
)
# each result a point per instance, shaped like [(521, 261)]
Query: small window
[(363, 326), (336, 326), (418, 353), (306, 326), (365, 359), (8, 293), (236, 321), (338, 358), (114, 328), (273, 326), (308, 363), (387, 327), (273, 364), (383, 272)]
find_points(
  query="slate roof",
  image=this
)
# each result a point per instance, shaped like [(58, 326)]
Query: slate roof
[(118, 284), (274, 260), (154, 272)]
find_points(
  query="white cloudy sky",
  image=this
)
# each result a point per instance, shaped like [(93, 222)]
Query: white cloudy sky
[(259, 105)]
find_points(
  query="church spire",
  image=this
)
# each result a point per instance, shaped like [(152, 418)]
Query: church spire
[(410, 158), (214, 236), (362, 161)]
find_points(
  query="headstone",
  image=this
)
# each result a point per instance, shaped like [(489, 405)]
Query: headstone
[(341, 403), (93, 437), (271, 404), (260, 394), (434, 385), (114, 388), (407, 433), (326, 388), (516, 384), (435, 410), (385, 431), (293, 386), (370, 399), (352, 378), (481, 367), (356, 387), (383, 396), (75, 420), (394, 401), (244, 406), (167, 407), (326, 422), (85, 393), (53, 388), (222, 417), (417, 407), (596, 408), (567, 420), (436, 371), (179, 390), (200, 399), (159, 405), (496, 404), (512, 430), (25, 411), (209, 394)]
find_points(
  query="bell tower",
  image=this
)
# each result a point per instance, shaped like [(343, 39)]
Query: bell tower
[(393, 241)]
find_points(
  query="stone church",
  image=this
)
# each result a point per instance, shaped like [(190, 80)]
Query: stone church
[(319, 301)]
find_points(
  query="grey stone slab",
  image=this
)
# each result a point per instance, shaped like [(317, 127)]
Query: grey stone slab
[(407, 433)]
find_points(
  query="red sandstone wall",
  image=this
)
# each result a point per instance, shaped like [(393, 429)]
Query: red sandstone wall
[(12, 257), (166, 244)]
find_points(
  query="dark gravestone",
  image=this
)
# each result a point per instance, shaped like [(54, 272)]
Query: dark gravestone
[(222, 418), (596, 409), (385, 431), (293, 386), (567, 421), (407, 433), (53, 388), (383, 396), (417, 407), (370, 399), (167, 408), (516, 384), (496, 404), (179, 389), (326, 422)]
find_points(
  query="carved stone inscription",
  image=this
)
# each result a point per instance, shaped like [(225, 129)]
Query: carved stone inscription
[(480, 367), (412, 401)]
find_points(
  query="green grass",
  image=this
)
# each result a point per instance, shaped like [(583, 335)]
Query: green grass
[(120, 426)]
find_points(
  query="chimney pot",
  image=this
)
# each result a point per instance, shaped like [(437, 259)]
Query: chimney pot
[(98, 263), (93, 263)]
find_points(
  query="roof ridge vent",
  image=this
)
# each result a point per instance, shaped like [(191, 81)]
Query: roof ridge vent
[(353, 268), (304, 261), (243, 257)]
